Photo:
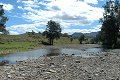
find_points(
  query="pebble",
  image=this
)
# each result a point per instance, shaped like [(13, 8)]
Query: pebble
[(64, 67), (52, 71), (9, 76)]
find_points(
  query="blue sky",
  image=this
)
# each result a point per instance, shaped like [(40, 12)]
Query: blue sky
[(73, 15)]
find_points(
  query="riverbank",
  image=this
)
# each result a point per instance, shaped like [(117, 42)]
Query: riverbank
[(52, 51), (13, 47), (65, 67), (26, 42)]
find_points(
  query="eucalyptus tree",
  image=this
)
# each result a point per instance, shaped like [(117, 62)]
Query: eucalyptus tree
[(110, 23), (3, 20), (53, 31), (81, 38)]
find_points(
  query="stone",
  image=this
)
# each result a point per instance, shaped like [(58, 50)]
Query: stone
[(77, 61), (4, 62), (53, 71), (9, 76)]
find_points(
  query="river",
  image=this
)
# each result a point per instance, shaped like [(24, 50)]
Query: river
[(34, 54)]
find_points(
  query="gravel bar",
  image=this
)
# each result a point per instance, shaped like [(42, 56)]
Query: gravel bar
[(65, 67)]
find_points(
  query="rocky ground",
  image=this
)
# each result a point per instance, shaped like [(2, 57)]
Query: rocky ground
[(65, 67), (73, 46), (105, 66)]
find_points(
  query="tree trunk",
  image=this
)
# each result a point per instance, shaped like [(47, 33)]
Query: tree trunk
[(51, 41), (80, 42)]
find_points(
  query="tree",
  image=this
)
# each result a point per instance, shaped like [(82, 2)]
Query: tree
[(81, 38), (6, 32), (3, 20), (53, 31), (98, 37), (71, 39), (110, 23), (65, 35)]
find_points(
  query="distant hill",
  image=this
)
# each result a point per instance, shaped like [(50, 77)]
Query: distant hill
[(76, 34), (91, 35)]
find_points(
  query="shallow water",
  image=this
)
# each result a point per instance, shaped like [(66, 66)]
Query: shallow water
[(12, 58), (82, 52)]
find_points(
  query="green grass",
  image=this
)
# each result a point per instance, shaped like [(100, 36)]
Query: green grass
[(65, 40), (10, 47), (19, 43)]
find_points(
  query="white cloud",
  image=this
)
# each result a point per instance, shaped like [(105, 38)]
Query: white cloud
[(71, 31), (91, 1), (67, 12), (29, 3), (22, 28), (7, 7), (98, 27), (14, 33), (74, 10), (19, 29), (18, 1), (20, 7)]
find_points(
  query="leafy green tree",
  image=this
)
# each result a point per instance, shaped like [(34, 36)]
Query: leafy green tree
[(65, 35), (3, 20), (81, 38), (92, 41), (53, 31), (110, 23)]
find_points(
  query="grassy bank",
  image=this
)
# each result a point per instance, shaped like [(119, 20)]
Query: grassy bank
[(65, 40), (10, 47), (19, 43)]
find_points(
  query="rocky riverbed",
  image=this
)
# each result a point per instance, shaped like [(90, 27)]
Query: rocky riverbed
[(65, 67)]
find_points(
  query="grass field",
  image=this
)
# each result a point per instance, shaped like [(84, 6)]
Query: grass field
[(10, 47), (18, 43), (65, 40)]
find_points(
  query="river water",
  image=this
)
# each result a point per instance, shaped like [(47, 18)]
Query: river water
[(34, 54)]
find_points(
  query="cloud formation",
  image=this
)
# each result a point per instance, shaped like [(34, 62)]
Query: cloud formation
[(7, 7), (91, 1), (94, 29), (55, 8), (67, 12), (18, 29)]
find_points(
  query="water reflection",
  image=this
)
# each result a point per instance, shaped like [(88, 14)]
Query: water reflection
[(95, 50), (53, 52), (12, 58), (82, 52)]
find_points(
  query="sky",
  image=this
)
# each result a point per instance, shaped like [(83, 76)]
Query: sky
[(33, 15)]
